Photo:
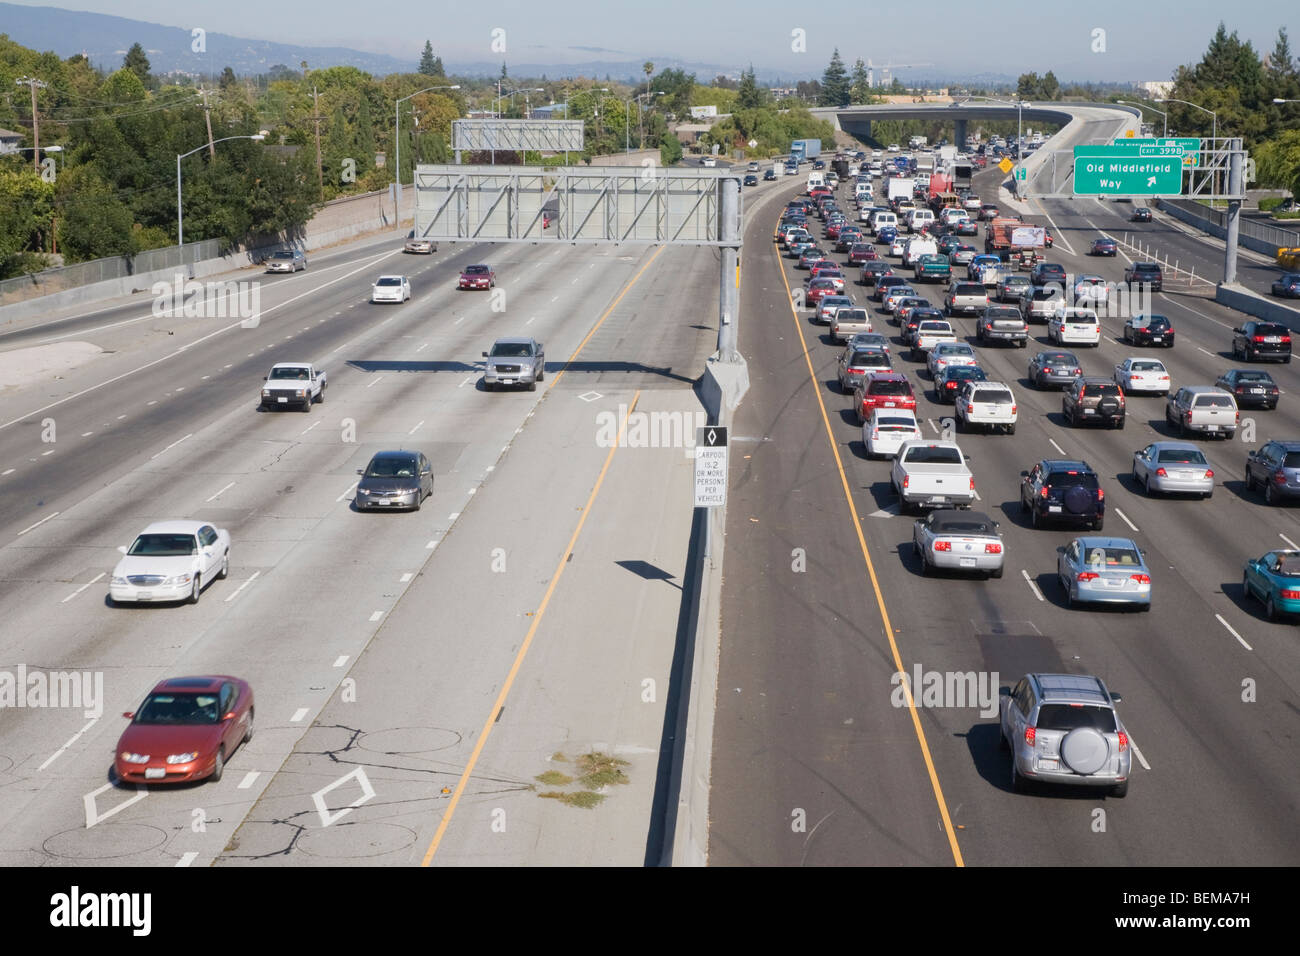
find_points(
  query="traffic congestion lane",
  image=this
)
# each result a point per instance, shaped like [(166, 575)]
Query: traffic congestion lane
[(282, 539), (807, 768), (1029, 600)]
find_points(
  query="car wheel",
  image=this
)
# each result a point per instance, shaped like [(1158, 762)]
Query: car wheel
[(248, 732), (1270, 609), (225, 567), (1250, 482), (925, 564), (1120, 424), (1017, 781), (306, 406), (532, 386), (541, 375), (1097, 525), (1035, 519), (1069, 598), (1245, 585), (1270, 496), (1120, 790), (196, 589), (218, 768), (320, 398), (1146, 482), (1011, 429), (1002, 740)]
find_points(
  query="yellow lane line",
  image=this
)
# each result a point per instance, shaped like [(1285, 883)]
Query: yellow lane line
[(871, 571)]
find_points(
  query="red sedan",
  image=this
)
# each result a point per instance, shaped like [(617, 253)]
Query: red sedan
[(186, 730), (478, 277)]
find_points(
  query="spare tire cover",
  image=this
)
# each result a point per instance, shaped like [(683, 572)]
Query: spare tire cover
[(1085, 750), (1108, 407), (1078, 500)]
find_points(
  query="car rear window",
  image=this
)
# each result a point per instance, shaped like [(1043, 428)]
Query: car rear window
[(993, 395), (1292, 460), (1181, 456), (1263, 329), (1254, 377), (1147, 367), (969, 288), (896, 422), (1213, 401), (1063, 479), (887, 388), (852, 315), (1101, 389), (1067, 717), (934, 455)]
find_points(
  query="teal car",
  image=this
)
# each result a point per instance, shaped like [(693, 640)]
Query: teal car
[(1274, 579)]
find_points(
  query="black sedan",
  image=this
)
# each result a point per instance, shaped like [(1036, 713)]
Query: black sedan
[(769, 176), (951, 379), (1149, 330), (1141, 214), (1288, 286), (751, 180), (1103, 247), (1250, 388)]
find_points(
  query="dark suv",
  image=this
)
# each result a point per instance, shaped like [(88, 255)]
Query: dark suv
[(1145, 273), (1093, 399), (1275, 470), (1061, 490), (1046, 272), (1262, 340)]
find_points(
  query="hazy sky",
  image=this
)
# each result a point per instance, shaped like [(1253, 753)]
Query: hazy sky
[(1141, 40)]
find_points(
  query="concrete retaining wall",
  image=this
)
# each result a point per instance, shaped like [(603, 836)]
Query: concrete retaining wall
[(1212, 222), (1252, 303)]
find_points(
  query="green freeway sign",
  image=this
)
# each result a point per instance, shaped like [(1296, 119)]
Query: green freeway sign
[(1122, 170), (1191, 146)]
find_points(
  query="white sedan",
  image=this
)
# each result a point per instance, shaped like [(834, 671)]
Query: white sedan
[(391, 289), (886, 430), (1142, 375), (898, 246), (946, 354), (171, 561)]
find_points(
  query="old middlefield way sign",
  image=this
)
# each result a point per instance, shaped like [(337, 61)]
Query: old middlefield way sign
[(1128, 170), (711, 467)]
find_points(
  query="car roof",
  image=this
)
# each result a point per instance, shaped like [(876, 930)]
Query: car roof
[(193, 685), (395, 453), (1183, 445), (1066, 464), (948, 517), (176, 527), (513, 340), (1071, 688), (887, 376)]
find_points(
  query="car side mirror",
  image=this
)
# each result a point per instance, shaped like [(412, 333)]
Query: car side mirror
[(425, 472), (361, 471), (485, 355), (1024, 474), (1116, 698), (128, 714), (1060, 549), (121, 548), (1004, 691)]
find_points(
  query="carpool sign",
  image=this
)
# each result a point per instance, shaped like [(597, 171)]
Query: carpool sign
[(1128, 170)]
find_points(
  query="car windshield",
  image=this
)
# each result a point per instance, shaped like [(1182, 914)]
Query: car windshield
[(179, 709), (283, 256), (476, 270), (391, 468), (934, 455), (1288, 565), (896, 423), (1180, 456), (389, 280), (1263, 329), (867, 357), (511, 350), (1066, 717), (164, 545), (290, 374), (889, 388), (1060, 358)]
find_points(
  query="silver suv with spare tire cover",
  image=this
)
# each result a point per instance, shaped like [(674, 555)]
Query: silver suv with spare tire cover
[(1063, 728)]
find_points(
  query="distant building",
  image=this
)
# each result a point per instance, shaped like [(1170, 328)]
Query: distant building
[(9, 140), (1156, 89), (704, 112)]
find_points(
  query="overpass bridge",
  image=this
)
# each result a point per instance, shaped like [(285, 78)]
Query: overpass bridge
[(857, 120)]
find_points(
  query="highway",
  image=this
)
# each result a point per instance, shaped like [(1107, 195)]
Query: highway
[(813, 762)]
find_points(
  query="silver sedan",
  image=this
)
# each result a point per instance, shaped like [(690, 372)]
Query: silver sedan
[(1173, 467), (958, 540), (1104, 570)]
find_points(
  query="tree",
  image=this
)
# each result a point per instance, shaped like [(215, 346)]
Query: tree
[(1029, 86), (647, 68), (427, 66), (860, 91), (835, 83), (228, 79), (670, 149), (136, 61), (92, 223), (1282, 74), (1049, 88), (504, 75), (678, 87), (750, 97)]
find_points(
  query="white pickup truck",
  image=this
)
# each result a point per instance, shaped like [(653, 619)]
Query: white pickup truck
[(929, 333), (932, 474), (293, 383)]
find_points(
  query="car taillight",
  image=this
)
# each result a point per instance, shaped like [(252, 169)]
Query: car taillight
[(1279, 478), (1088, 575), (1078, 371), (970, 407), (1209, 473), (1260, 338), (992, 549), (906, 480), (1162, 473), (1140, 578), (1286, 338), (1100, 494), (1123, 741), (1029, 735), (972, 482), (1291, 595), (1043, 494), (943, 546), (1013, 409)]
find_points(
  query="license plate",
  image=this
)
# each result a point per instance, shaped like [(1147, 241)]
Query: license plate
[(1211, 428), (506, 381), (1054, 508), (1090, 411), (1257, 391), (938, 500), (968, 562), (155, 773), (1046, 764), (1157, 338), (891, 404), (385, 501), (282, 401), (1272, 338)]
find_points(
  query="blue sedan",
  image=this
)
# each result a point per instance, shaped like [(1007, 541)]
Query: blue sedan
[(1275, 580), (1288, 286), (1104, 570)]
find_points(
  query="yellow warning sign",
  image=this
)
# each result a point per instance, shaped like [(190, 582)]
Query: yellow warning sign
[(1005, 165)]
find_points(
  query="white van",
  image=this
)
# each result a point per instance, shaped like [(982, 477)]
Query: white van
[(918, 219), (881, 219), (919, 246), (816, 179)]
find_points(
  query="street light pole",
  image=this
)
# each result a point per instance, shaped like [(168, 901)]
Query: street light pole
[(180, 223), (397, 148), (1143, 106)]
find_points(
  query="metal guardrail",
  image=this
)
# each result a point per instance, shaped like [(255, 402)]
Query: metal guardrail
[(22, 288), (1264, 232)]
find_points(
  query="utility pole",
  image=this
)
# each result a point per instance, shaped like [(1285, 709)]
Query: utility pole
[(32, 82), (207, 114), (320, 172)]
